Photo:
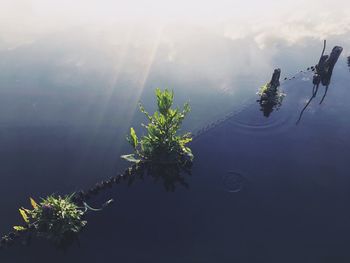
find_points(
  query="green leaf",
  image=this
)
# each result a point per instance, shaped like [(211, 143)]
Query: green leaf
[(142, 109), (164, 100), (264, 89), (33, 203), (130, 158), (133, 138), (24, 215), (19, 228)]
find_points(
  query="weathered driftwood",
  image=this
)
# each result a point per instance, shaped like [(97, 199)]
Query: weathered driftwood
[(323, 73), (324, 68), (275, 80)]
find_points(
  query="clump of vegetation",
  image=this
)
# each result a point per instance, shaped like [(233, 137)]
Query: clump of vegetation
[(162, 144), (55, 218), (270, 94), (270, 98), (162, 153)]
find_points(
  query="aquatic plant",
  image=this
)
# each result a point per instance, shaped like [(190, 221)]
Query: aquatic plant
[(162, 153), (270, 96), (162, 144), (55, 218)]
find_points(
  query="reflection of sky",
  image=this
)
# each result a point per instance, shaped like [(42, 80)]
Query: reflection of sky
[(97, 52), (95, 55), (290, 19), (72, 72)]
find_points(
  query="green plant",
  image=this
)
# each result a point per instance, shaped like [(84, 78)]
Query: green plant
[(162, 144), (271, 97), (264, 89), (55, 218)]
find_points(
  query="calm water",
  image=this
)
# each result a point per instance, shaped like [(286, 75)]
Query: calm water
[(262, 189)]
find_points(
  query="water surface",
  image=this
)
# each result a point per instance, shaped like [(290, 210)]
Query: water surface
[(262, 189)]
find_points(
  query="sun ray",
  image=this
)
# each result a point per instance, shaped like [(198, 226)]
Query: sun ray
[(143, 76), (135, 87)]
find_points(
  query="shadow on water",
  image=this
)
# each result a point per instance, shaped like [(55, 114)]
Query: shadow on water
[(323, 74)]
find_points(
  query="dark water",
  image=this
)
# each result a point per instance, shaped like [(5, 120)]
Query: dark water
[(261, 190)]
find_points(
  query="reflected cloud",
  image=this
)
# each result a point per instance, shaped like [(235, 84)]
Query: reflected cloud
[(89, 65), (266, 22)]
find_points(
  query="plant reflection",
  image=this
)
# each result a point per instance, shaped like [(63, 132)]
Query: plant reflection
[(323, 74), (271, 97), (171, 175)]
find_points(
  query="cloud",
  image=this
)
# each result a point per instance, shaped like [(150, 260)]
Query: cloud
[(314, 19), (267, 22)]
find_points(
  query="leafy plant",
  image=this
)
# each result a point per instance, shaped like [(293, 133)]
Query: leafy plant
[(162, 144), (55, 218)]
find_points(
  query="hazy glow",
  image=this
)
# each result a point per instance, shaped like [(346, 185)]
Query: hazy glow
[(44, 13), (22, 20), (184, 27), (120, 50)]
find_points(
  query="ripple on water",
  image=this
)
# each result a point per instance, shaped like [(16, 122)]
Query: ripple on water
[(252, 120), (233, 182)]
